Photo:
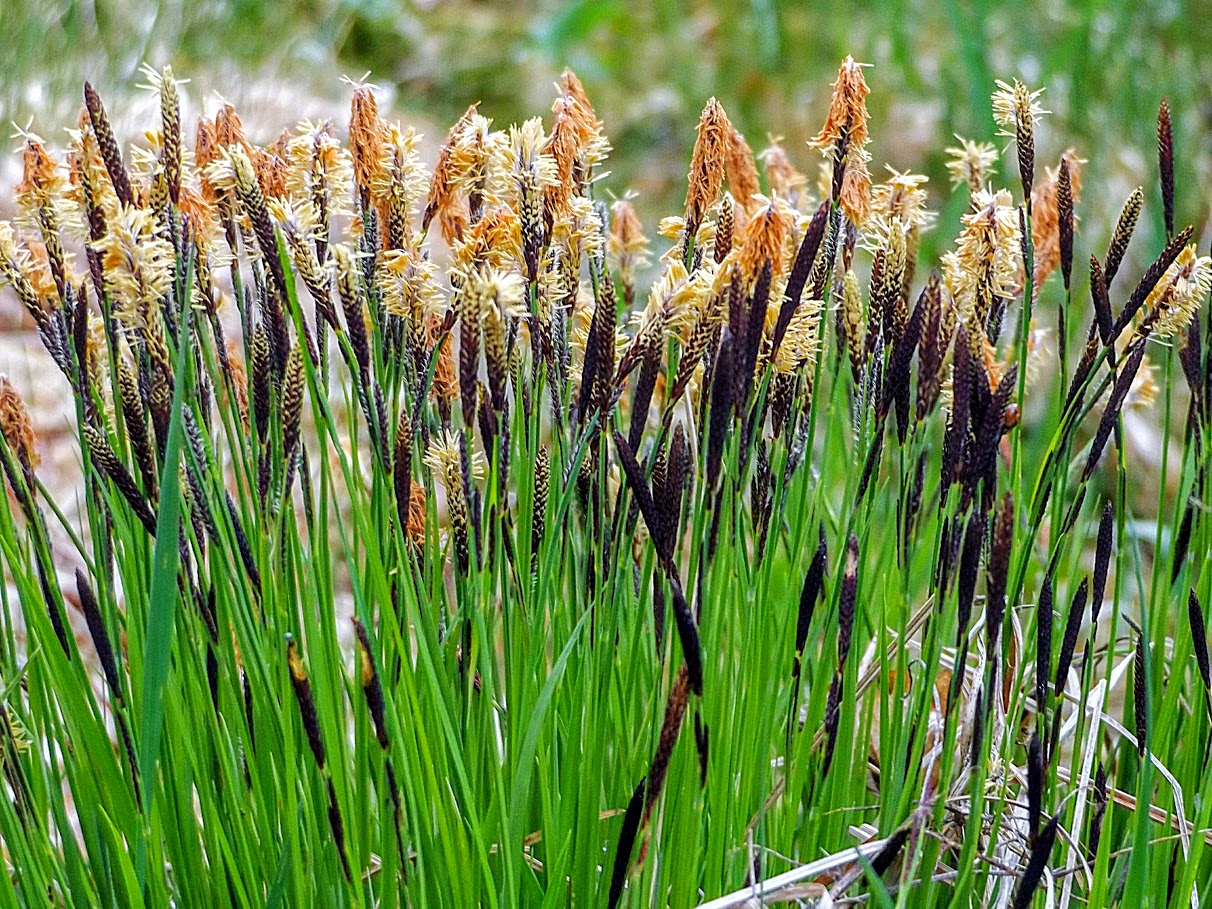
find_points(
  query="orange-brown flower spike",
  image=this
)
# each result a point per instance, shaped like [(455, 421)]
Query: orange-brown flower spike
[(16, 427), (365, 139), (441, 185), (741, 171), (707, 164), (1045, 216), (843, 140), (206, 152), (229, 130), (764, 240), (272, 167), (38, 170), (573, 87)]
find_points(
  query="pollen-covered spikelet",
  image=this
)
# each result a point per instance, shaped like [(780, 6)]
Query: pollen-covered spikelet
[(987, 261), (398, 183), (1016, 107), (96, 357), (414, 530), (40, 194), (40, 177), (667, 299), (408, 282), (1180, 293), (1016, 111), (206, 152), (320, 168), (494, 242), (444, 457), (1045, 218), (971, 163), (136, 263), (529, 170), (802, 341), (299, 224), (852, 320), (706, 176), (16, 427), (579, 230), (90, 189), (18, 268), (898, 203), (477, 161), (845, 134)]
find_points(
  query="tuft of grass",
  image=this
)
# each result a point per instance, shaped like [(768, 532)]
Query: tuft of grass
[(428, 557)]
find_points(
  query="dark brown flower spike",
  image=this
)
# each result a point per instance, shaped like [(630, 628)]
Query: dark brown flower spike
[(882, 860), (1073, 625), (1102, 302), (1035, 785), (977, 751), (622, 852), (801, 268), (1165, 163), (999, 567), (1199, 638), (810, 594), (402, 468), (1123, 233), (897, 385), (1064, 209), (109, 464), (1096, 818), (671, 729), (1102, 560), (1140, 696), (725, 227), (1119, 393), (100, 635), (597, 368), (307, 705), (847, 601), (1044, 617), (108, 145), (1041, 852), (931, 348), (688, 635), (969, 571)]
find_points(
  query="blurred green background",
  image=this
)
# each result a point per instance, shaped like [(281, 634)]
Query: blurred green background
[(649, 67)]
